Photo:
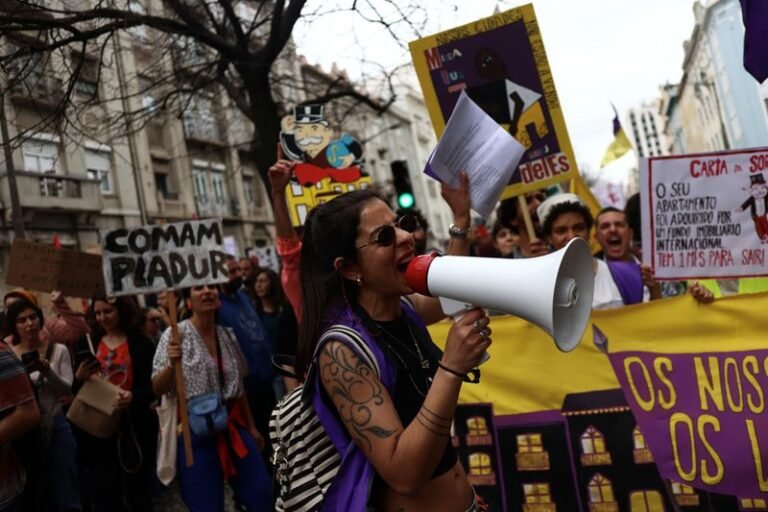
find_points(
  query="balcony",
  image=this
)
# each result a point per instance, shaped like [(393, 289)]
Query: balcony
[(643, 456), (532, 461), (37, 89), (170, 206), (596, 459), (56, 192)]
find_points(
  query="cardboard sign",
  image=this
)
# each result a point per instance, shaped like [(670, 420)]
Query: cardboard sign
[(705, 215), (163, 257), (330, 162), (501, 64), (268, 257), (44, 268)]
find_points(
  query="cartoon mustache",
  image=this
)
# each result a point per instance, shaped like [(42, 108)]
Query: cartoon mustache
[(309, 140)]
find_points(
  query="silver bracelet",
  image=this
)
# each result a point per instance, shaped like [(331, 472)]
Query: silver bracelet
[(456, 232)]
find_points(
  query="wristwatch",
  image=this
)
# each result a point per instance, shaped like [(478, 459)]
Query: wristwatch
[(456, 232)]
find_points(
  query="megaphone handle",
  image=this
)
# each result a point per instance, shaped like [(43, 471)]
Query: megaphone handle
[(457, 309)]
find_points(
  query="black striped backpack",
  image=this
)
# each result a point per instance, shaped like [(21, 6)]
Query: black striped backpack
[(305, 460)]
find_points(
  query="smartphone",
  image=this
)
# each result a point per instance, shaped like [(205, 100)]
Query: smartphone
[(86, 356), (29, 357)]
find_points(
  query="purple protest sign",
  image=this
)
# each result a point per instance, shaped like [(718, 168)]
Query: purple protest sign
[(501, 64), (702, 415)]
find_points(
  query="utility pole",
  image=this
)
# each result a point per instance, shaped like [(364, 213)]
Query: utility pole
[(16, 217)]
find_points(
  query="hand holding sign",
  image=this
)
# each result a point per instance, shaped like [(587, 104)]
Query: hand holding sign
[(281, 172)]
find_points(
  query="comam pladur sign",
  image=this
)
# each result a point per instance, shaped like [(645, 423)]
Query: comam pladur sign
[(153, 258)]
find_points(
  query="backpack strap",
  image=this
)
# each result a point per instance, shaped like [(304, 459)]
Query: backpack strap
[(353, 340)]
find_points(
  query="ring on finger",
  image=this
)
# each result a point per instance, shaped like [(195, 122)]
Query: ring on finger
[(478, 325), (484, 334)]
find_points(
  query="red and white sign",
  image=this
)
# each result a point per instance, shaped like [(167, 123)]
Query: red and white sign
[(706, 215)]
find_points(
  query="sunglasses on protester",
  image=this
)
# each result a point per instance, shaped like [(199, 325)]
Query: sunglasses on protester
[(386, 234)]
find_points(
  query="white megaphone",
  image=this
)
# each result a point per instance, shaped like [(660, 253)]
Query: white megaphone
[(553, 292)]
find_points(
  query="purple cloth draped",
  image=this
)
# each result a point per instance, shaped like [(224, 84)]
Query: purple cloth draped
[(755, 16), (350, 490), (629, 280)]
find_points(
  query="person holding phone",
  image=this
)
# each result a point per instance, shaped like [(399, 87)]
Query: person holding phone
[(117, 471), (50, 370)]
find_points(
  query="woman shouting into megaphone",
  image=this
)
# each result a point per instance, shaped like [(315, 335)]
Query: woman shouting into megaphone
[(384, 393)]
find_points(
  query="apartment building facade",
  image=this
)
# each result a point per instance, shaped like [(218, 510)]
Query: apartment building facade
[(78, 179)]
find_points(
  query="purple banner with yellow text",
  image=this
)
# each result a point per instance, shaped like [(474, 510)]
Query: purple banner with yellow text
[(703, 416)]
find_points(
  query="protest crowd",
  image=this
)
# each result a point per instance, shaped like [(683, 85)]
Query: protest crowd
[(230, 333)]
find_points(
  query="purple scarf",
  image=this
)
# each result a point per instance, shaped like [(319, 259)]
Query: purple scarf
[(628, 279), (350, 490)]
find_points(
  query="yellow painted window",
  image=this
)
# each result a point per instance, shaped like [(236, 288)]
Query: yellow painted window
[(592, 441), (537, 493), (476, 426), (480, 464), (682, 489), (600, 489), (646, 501), (529, 443), (639, 439)]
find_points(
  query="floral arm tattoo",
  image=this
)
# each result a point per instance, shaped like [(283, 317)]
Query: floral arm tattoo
[(356, 390)]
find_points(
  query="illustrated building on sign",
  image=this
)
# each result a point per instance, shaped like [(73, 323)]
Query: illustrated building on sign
[(302, 199), (610, 455), (589, 456)]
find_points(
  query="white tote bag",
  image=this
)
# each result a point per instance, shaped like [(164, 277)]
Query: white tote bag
[(167, 438)]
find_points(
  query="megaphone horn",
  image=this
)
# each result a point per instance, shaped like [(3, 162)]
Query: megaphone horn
[(553, 292)]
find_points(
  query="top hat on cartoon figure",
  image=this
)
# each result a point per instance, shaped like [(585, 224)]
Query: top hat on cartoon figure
[(309, 114), (756, 179)]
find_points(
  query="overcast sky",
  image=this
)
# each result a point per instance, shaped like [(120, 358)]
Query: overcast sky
[(600, 51)]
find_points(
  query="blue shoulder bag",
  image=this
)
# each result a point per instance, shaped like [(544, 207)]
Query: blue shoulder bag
[(207, 413)]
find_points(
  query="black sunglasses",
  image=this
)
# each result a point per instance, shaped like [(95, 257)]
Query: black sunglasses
[(386, 234)]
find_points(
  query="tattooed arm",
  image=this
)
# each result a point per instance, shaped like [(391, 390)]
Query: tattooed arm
[(405, 457)]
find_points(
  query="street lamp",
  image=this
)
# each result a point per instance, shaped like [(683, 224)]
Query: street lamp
[(704, 81)]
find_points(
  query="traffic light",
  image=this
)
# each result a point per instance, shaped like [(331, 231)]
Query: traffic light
[(401, 180)]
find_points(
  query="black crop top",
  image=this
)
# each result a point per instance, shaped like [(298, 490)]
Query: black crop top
[(413, 381)]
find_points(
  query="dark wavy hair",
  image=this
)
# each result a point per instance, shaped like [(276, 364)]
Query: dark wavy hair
[(330, 232), (567, 207), (12, 313), (275, 288), (127, 314)]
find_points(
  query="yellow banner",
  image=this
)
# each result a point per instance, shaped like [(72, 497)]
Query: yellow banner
[(526, 372), (682, 426)]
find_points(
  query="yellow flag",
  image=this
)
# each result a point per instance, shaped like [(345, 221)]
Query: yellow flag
[(617, 149)]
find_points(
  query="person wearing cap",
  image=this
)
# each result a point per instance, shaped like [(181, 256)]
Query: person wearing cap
[(617, 283)]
